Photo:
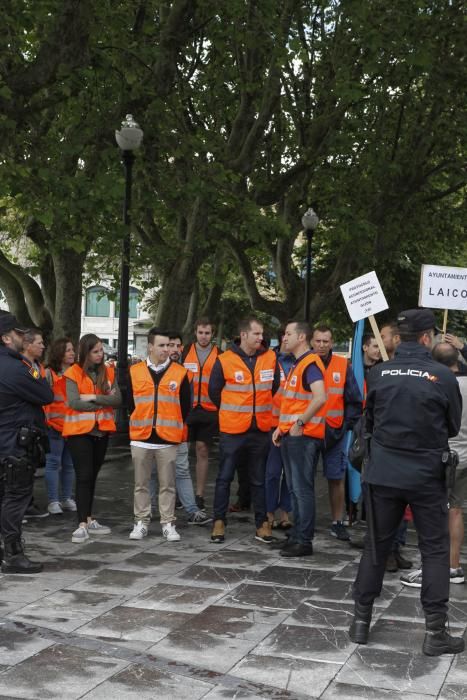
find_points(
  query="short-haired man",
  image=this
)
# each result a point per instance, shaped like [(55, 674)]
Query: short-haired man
[(184, 484), (447, 354), (33, 351), (242, 384), (342, 409), (390, 337), (413, 406), (300, 433), (23, 393), (199, 358), (371, 352), (160, 399)]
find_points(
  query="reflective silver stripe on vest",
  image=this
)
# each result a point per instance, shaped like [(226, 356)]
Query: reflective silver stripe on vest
[(105, 415), (142, 423), (263, 409), (55, 415), (228, 386), (335, 412), (59, 397), (169, 423), (79, 417), (292, 417), (264, 386), (245, 409), (336, 390), (288, 394), (168, 399), (204, 380), (143, 399), (236, 409)]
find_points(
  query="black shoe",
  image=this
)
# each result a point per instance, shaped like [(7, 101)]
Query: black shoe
[(401, 562), (297, 550), (200, 502), (360, 627), (280, 544), (16, 562), (437, 639), (391, 563), (34, 512), (178, 504)]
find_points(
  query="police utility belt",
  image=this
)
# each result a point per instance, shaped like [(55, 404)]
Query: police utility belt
[(450, 460), (20, 470)]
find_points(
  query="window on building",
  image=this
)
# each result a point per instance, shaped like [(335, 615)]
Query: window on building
[(135, 296), (97, 302)]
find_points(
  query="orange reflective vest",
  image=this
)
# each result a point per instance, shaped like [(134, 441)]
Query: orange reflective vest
[(201, 376), (277, 398), (246, 394), (160, 411), (334, 381), (82, 422), (296, 399), (55, 411)]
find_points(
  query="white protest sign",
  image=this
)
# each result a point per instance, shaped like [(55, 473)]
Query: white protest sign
[(363, 296), (443, 287)]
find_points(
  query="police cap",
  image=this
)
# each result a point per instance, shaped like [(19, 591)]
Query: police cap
[(417, 320), (8, 323)]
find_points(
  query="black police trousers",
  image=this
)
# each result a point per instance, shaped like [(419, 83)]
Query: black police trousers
[(14, 500), (430, 514)]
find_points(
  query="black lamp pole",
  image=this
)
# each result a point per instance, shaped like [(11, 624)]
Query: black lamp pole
[(128, 138), (309, 221), (124, 307)]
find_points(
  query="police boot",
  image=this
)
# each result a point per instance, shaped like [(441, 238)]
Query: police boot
[(437, 639), (16, 562), (360, 627)]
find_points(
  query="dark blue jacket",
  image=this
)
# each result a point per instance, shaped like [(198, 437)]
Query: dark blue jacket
[(413, 406), (22, 395)]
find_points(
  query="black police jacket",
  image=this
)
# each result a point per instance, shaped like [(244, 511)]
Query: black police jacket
[(413, 406), (22, 395)]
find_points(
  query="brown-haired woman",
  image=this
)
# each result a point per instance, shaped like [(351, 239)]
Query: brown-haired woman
[(58, 463), (92, 395)]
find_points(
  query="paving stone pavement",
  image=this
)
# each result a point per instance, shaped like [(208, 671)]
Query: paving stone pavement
[(115, 618)]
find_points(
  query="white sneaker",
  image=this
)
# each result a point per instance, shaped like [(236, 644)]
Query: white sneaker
[(54, 508), (80, 535), (95, 528), (69, 504), (139, 531), (170, 533)]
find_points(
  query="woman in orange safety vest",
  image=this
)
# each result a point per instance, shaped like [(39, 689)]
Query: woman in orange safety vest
[(58, 463), (92, 394)]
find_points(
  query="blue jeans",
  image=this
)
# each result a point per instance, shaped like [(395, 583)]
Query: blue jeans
[(183, 481), (251, 450), (58, 468), (300, 455), (277, 492)]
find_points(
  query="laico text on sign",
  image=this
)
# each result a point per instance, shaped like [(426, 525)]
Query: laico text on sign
[(443, 287)]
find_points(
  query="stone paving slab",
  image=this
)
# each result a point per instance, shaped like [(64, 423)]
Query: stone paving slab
[(121, 618)]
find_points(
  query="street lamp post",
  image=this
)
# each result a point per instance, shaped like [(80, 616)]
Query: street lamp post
[(128, 139), (309, 222)]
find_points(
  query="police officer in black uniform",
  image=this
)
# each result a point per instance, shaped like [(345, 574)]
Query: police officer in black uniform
[(23, 392), (413, 407)]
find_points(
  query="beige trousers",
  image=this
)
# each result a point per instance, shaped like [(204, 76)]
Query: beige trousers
[(143, 460)]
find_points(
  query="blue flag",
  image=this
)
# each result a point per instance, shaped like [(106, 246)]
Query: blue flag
[(353, 475)]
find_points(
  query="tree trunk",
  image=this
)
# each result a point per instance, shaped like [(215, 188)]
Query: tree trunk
[(68, 267)]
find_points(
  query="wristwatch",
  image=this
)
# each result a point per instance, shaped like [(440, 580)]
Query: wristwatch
[(300, 423)]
